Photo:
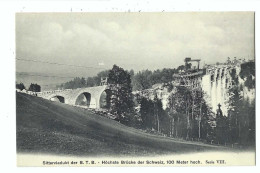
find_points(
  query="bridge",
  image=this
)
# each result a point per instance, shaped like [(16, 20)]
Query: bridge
[(214, 80), (216, 84), (91, 97)]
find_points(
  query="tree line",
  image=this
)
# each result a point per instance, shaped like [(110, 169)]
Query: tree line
[(141, 80), (33, 87)]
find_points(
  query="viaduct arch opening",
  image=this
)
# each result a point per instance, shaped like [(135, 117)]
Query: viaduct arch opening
[(83, 99), (58, 99), (105, 98)]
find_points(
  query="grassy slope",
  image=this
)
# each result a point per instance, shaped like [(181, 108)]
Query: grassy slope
[(50, 127)]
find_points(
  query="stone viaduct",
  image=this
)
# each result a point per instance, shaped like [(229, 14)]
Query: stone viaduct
[(91, 97), (213, 80)]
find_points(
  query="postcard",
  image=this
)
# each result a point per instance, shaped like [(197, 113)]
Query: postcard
[(135, 89)]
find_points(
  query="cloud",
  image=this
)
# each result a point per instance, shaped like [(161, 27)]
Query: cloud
[(132, 40)]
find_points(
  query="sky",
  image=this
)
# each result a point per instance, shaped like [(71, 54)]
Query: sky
[(135, 41)]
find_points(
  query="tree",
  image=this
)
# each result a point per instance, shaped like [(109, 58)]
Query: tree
[(158, 111), (222, 131), (100, 75), (179, 105), (155, 77), (167, 75), (189, 114), (35, 88), (82, 82), (75, 83), (122, 104), (152, 114), (241, 116), (90, 82), (248, 74), (206, 119), (147, 113), (146, 78), (132, 73), (241, 113), (141, 80), (20, 86)]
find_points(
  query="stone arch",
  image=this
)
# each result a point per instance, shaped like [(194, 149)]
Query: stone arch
[(90, 95), (104, 99), (84, 99), (58, 98)]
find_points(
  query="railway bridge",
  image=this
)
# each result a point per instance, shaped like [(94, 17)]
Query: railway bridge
[(90, 97), (214, 80)]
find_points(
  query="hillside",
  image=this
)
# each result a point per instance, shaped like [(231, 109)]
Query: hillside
[(50, 127)]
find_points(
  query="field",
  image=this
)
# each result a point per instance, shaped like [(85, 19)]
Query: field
[(50, 127)]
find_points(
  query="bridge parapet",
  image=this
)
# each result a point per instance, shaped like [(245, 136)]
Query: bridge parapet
[(51, 92)]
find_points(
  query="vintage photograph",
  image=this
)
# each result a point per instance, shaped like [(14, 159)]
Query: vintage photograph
[(135, 89)]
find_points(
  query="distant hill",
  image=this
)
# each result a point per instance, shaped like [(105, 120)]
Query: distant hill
[(44, 126), (45, 80)]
